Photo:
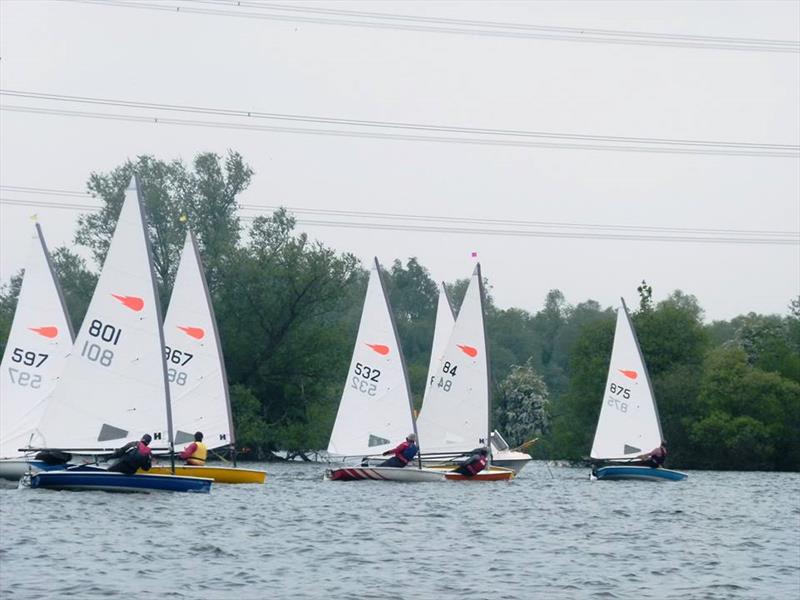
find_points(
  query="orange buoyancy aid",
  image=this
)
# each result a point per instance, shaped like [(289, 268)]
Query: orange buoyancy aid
[(198, 457)]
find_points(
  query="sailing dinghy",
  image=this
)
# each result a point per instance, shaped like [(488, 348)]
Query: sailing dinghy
[(38, 343), (196, 372), (114, 385), (456, 416), (502, 454), (376, 409), (628, 425)]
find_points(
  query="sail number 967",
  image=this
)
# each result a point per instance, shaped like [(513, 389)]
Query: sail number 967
[(364, 378)]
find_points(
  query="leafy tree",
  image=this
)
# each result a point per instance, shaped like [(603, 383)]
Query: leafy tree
[(207, 196), (522, 406), (286, 328)]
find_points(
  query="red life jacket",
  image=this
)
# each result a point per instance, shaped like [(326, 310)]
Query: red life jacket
[(142, 449), (477, 466)]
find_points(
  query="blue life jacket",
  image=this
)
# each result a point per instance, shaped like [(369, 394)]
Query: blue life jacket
[(410, 452)]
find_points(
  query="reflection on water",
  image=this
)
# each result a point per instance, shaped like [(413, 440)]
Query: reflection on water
[(549, 534)]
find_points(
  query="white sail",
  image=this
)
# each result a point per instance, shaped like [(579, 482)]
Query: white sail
[(441, 334), (456, 411), (38, 343), (195, 369), (113, 388), (628, 423), (375, 409)]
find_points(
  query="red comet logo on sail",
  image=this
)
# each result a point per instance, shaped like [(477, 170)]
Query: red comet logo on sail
[(48, 332), (380, 349), (132, 302), (195, 332), (468, 350), (629, 374)]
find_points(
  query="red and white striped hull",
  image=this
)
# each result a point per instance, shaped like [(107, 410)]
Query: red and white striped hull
[(383, 474), (415, 474)]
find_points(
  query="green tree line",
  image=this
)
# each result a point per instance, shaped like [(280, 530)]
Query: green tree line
[(288, 309)]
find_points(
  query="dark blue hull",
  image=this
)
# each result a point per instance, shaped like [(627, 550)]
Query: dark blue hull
[(615, 472), (88, 478)]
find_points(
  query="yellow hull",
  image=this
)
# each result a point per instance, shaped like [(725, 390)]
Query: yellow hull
[(491, 473), (218, 474)]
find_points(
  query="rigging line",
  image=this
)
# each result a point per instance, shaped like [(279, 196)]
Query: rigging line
[(436, 218), (464, 230), (492, 24), (397, 136), (385, 124), (433, 29)]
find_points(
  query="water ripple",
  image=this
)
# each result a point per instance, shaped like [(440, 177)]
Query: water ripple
[(548, 534)]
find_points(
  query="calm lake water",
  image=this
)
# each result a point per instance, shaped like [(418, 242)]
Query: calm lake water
[(548, 534)]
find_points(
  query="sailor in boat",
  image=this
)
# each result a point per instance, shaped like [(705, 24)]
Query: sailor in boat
[(134, 456), (196, 452), (476, 463), (403, 454), (656, 457)]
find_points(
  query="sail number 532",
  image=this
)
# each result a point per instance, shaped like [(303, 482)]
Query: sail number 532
[(364, 378)]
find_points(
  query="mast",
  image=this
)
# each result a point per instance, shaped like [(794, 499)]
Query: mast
[(56, 282), (644, 365), (159, 318), (218, 342), (447, 299), (486, 358), (402, 360)]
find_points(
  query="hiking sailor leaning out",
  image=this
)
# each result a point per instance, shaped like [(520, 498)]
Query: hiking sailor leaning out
[(403, 453), (133, 456), (656, 457)]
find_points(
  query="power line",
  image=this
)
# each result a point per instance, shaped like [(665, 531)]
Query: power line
[(493, 24), (412, 217), (387, 21), (520, 143), (770, 239), (435, 218), (252, 114)]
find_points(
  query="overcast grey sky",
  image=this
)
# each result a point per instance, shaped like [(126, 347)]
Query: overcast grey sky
[(399, 71)]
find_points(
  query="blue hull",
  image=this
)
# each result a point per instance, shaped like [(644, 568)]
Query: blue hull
[(615, 472), (88, 478)]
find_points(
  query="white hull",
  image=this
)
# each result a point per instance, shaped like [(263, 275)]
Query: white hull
[(515, 461), (13, 468)]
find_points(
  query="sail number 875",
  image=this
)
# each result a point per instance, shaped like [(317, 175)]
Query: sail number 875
[(617, 391)]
